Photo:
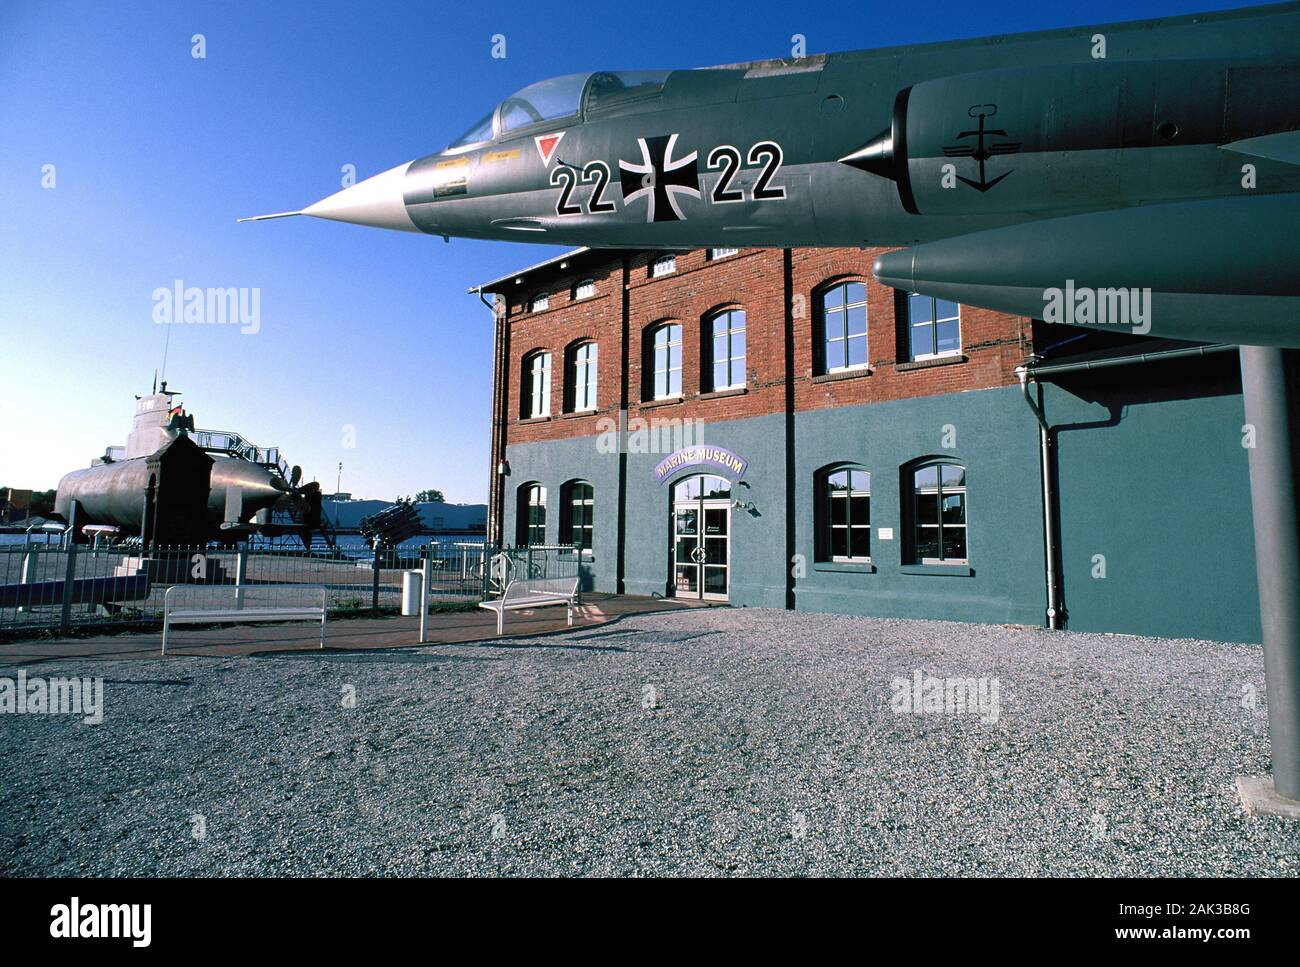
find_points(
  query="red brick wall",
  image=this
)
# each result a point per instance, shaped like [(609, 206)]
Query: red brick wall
[(993, 344)]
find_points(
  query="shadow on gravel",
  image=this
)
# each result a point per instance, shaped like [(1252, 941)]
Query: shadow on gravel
[(546, 645), (400, 656)]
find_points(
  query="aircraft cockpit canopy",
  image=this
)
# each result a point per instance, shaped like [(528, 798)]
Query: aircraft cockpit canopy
[(561, 99)]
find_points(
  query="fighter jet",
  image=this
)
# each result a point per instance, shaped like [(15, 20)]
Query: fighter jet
[(1155, 160)]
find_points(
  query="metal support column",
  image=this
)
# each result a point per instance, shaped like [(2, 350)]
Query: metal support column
[(1272, 404)]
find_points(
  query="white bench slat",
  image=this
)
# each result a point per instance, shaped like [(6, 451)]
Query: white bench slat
[(246, 614)]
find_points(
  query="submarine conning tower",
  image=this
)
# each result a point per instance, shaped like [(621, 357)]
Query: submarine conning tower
[(157, 422)]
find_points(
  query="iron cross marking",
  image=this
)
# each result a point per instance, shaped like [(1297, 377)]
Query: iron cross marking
[(660, 179), (982, 151)]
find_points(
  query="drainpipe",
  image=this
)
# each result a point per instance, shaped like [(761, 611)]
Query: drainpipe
[(495, 484), (1030, 370), (1054, 610)]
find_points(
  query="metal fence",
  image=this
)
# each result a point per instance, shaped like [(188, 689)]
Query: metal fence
[(535, 561), (62, 587)]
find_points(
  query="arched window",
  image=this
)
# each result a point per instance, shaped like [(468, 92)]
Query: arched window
[(842, 319), (580, 378), (664, 265), (535, 400), (936, 492), (726, 350), (577, 502), (844, 515), (664, 361), (530, 520), (584, 289)]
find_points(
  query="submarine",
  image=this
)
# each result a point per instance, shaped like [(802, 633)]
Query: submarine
[(246, 486)]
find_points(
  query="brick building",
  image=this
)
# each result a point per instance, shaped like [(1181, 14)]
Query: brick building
[(775, 428)]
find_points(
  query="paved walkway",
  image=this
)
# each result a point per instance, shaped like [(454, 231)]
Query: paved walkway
[(347, 634)]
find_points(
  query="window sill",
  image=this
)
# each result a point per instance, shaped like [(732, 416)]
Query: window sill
[(844, 567), (952, 360), (574, 414), (941, 570), (527, 420), (843, 374), (723, 393), (669, 401)]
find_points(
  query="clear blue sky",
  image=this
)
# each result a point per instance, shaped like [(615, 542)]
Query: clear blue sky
[(156, 154)]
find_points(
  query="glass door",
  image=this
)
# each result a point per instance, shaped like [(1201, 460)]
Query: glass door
[(701, 538)]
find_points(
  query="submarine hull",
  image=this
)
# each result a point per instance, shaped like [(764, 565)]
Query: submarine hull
[(114, 493)]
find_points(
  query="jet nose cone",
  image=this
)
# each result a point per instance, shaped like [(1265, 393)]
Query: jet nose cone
[(376, 202)]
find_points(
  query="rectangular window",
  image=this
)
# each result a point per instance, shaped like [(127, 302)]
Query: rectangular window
[(540, 303), (934, 327), (584, 290), (728, 350), (666, 265), (721, 253), (844, 324), (668, 362)]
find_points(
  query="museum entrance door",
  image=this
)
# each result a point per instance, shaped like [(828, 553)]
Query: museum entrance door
[(701, 538)]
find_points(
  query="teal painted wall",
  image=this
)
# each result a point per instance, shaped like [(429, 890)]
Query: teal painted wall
[(1157, 482), (995, 438), (554, 463), (1151, 473)]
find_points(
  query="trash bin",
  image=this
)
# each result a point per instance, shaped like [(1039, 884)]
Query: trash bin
[(412, 592)]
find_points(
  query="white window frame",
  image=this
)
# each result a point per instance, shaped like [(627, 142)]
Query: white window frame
[(540, 302), (588, 502), (722, 253), (583, 363), (667, 368), (848, 526), (584, 290), (940, 491), (664, 265), (841, 314), (731, 359), (539, 385), (933, 326)]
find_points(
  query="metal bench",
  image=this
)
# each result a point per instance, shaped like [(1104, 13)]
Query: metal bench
[(235, 601), (530, 592)]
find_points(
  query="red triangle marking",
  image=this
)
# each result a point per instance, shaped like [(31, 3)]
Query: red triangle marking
[(546, 145)]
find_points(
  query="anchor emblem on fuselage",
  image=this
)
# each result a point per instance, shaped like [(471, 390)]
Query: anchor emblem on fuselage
[(982, 150)]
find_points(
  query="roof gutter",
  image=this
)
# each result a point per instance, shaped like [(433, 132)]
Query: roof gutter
[(1156, 357)]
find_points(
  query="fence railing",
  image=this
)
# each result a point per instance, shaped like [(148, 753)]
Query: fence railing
[(535, 561), (62, 587)]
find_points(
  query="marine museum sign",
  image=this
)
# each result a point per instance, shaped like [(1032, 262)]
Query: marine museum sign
[(701, 456)]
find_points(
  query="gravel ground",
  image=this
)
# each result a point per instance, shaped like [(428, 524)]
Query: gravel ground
[(698, 742)]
